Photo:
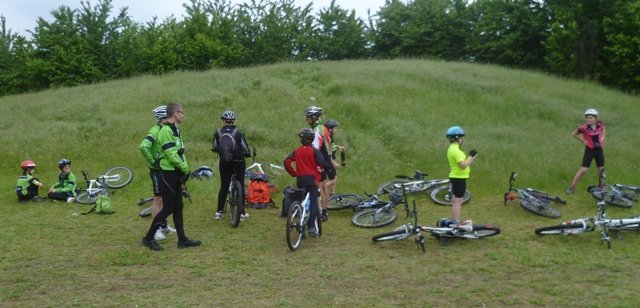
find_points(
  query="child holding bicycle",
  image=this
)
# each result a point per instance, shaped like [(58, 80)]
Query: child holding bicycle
[(65, 188), (308, 165), (27, 185), (460, 170), (592, 134)]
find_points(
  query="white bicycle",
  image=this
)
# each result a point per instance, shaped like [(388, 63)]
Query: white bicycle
[(116, 177)]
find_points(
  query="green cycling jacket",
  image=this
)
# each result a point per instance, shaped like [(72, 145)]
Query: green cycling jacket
[(150, 149), (172, 149), (66, 183)]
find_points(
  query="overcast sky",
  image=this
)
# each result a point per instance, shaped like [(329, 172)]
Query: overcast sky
[(21, 15)]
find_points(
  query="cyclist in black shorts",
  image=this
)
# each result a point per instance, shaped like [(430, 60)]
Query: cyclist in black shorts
[(592, 134), (460, 170)]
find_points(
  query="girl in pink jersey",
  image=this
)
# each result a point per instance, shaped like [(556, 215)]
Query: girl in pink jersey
[(592, 134)]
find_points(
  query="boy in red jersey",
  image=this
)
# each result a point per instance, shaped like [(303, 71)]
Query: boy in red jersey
[(309, 163)]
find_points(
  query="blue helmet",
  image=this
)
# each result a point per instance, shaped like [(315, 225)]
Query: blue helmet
[(454, 132)]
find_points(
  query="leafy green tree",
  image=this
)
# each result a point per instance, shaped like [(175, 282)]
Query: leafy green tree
[(509, 32), (387, 33), (621, 55), (341, 34)]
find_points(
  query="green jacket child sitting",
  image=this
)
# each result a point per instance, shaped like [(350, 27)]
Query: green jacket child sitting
[(65, 188)]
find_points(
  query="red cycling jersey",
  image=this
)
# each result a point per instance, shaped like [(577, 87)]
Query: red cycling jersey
[(308, 160), (592, 136)]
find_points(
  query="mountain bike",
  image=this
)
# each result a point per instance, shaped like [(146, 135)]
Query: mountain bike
[(629, 192), (373, 218), (532, 200), (355, 202), (114, 178), (441, 193), (271, 170), (614, 195), (600, 222), (442, 233), (235, 201), (297, 222)]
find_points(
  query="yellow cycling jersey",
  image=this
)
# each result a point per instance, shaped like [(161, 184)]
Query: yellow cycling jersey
[(454, 156)]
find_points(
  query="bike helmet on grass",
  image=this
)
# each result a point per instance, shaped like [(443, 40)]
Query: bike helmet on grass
[(27, 164), (454, 132)]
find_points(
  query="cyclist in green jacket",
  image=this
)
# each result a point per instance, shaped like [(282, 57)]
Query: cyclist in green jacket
[(65, 188), (151, 153), (174, 173), (27, 186)]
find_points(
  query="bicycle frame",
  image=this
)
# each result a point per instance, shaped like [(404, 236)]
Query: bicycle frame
[(95, 186)]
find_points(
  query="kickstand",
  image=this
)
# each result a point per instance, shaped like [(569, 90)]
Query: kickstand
[(420, 241)]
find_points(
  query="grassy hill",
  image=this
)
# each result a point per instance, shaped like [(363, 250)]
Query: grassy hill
[(393, 117)]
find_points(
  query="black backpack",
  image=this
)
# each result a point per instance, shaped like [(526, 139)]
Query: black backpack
[(227, 144), (290, 195)]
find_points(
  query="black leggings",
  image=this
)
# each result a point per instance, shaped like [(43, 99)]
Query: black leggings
[(171, 191), (314, 208), (32, 191), (226, 170)]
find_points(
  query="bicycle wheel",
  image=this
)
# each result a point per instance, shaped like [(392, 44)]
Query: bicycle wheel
[(567, 229), (539, 207), (631, 195), (390, 186), (343, 201), (85, 198), (617, 199), (441, 195), (294, 226), (372, 218), (146, 212), (235, 203), (395, 235), (481, 231), (118, 177)]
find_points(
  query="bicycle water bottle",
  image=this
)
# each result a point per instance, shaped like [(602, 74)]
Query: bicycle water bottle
[(307, 207)]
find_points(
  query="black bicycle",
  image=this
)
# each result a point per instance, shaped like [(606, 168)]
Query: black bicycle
[(440, 188), (355, 202), (382, 216), (532, 200)]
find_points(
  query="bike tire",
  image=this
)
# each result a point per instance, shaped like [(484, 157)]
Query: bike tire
[(617, 200), (390, 236), (371, 218), (146, 212), (390, 186), (440, 195), (566, 229), (85, 198), (294, 226), (125, 175), (235, 203), (343, 201), (481, 231), (631, 195), (539, 207)]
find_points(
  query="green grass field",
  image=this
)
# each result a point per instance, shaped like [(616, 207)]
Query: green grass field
[(393, 117)]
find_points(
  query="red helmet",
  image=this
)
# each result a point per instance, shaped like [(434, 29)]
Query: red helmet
[(27, 164)]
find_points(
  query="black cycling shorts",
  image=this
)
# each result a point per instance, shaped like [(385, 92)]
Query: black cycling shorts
[(590, 155), (329, 173), (154, 182), (458, 187)]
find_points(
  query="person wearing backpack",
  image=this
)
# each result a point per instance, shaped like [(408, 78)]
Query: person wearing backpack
[(232, 148), (174, 173), (150, 151), (308, 163)]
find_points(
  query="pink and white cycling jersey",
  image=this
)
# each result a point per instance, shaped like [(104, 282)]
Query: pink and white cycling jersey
[(592, 136)]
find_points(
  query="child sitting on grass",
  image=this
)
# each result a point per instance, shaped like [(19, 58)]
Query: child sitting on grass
[(65, 188), (27, 186)]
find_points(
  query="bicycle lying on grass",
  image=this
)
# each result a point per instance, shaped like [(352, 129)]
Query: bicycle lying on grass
[(442, 233), (600, 222), (441, 190), (615, 195), (116, 177), (382, 216), (532, 200), (298, 220), (354, 202)]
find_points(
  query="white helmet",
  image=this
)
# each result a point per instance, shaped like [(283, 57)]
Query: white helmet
[(592, 112), (313, 111), (160, 112)]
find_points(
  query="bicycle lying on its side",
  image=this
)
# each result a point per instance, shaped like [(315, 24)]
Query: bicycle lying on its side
[(354, 202), (441, 189), (442, 233), (114, 178), (532, 200), (382, 216), (600, 222)]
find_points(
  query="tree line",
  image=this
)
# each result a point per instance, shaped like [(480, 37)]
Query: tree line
[(596, 40)]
